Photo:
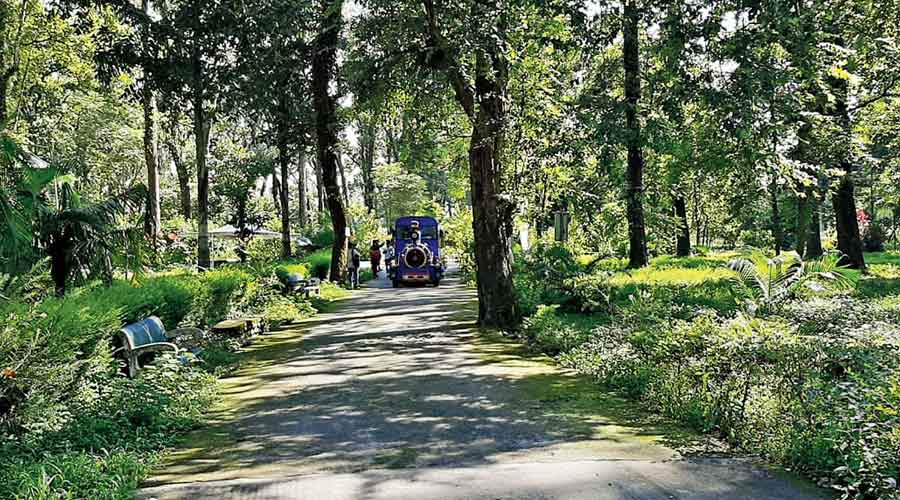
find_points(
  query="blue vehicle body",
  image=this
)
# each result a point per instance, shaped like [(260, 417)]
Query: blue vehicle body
[(417, 251)]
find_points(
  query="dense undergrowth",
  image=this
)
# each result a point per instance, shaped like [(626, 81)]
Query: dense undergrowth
[(813, 384), (71, 425)]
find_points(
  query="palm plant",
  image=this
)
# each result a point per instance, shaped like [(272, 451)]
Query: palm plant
[(765, 284), (47, 218)]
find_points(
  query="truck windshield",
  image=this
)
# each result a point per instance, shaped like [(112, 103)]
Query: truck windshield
[(427, 232)]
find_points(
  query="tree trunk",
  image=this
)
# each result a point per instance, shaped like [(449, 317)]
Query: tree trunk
[(849, 241), (184, 178), (320, 186), (367, 161), (492, 210), (151, 153), (6, 74), (637, 239), (276, 187), (776, 216), (814, 241), (5, 78), (284, 187), (802, 227), (345, 188), (683, 236), (201, 142), (324, 70), (301, 188)]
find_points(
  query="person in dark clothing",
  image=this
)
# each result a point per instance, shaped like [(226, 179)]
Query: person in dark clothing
[(353, 268), (375, 257)]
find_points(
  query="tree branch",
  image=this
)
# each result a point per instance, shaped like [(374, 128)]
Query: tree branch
[(442, 59)]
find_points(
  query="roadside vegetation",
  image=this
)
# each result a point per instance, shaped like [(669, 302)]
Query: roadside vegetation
[(797, 363), (71, 425)]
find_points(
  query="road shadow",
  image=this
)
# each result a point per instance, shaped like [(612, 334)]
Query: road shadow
[(402, 378)]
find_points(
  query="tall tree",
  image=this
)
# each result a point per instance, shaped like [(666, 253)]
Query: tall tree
[(284, 161), (637, 238), (324, 73), (151, 148), (483, 102)]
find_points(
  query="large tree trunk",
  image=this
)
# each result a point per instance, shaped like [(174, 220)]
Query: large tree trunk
[(492, 209), (324, 69), (367, 160), (184, 178), (637, 239), (301, 189), (849, 241), (492, 227), (201, 142), (151, 153), (683, 236)]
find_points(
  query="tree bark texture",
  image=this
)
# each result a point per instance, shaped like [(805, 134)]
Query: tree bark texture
[(777, 235), (301, 189), (184, 178), (849, 241), (814, 238), (637, 239), (683, 236), (367, 138), (324, 70), (284, 162), (201, 142), (492, 209), (320, 186), (151, 150)]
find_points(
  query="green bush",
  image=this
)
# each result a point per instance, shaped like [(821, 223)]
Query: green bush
[(297, 268), (70, 425), (319, 263)]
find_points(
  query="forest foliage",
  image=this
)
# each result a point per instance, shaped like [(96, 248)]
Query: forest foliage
[(660, 140)]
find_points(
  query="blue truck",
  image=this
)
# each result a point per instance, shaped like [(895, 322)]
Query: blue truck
[(417, 251)]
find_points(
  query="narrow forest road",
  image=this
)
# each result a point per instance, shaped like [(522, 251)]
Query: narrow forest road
[(396, 395)]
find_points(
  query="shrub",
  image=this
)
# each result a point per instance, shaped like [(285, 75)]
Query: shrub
[(319, 263), (552, 333), (105, 447), (874, 236), (298, 268)]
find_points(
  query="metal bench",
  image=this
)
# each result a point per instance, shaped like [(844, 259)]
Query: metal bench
[(147, 337)]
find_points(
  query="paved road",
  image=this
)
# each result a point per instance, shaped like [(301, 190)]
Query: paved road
[(395, 395)]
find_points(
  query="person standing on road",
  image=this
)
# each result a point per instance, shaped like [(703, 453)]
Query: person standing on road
[(353, 268), (388, 256), (375, 257)]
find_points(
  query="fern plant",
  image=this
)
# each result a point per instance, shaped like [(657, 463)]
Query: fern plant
[(763, 285)]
